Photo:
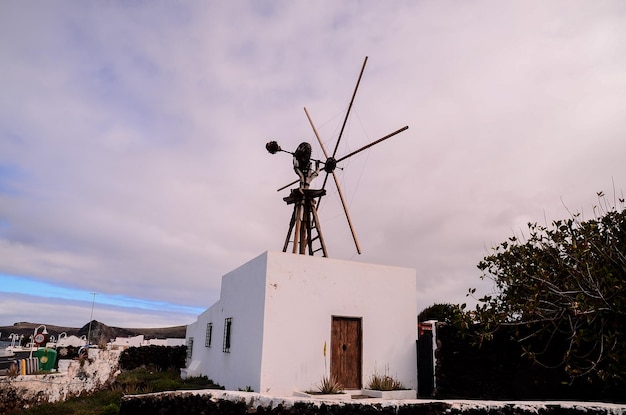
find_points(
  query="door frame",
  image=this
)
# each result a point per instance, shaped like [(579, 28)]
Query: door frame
[(357, 362)]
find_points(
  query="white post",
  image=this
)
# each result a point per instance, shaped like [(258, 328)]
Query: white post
[(34, 342), (433, 324)]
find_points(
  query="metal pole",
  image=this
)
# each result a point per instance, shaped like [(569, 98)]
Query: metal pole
[(91, 319)]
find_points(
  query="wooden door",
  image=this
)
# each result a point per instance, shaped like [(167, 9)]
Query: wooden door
[(346, 351)]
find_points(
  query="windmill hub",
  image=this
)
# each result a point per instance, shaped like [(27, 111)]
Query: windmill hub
[(330, 165)]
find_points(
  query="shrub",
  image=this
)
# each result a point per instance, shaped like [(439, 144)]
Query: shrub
[(384, 382), (156, 357)]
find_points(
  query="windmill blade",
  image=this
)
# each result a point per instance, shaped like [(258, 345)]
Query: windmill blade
[(345, 209), (317, 135), (345, 120), (319, 140), (343, 202), (406, 127)]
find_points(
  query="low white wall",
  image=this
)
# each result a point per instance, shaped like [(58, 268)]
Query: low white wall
[(72, 379)]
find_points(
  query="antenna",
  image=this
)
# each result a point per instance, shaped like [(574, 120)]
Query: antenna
[(304, 223)]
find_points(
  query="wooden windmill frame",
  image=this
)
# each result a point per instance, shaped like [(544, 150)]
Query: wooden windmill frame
[(305, 224)]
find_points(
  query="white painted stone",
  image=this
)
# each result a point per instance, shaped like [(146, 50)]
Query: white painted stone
[(395, 394), (282, 307), (88, 377), (325, 397), (64, 365), (255, 399)]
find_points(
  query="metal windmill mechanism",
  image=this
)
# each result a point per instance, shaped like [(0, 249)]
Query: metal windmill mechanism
[(305, 224)]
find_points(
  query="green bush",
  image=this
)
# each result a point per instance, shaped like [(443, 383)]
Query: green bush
[(160, 358)]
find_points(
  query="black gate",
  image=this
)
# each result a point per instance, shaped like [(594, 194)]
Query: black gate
[(425, 372)]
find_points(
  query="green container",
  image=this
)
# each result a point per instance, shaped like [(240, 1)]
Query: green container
[(47, 358)]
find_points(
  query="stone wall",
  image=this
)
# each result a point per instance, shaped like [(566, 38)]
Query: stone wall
[(73, 378), (243, 403)]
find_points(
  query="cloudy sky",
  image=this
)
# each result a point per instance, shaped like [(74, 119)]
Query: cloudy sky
[(132, 134)]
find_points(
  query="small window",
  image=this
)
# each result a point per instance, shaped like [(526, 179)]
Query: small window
[(189, 347), (209, 334), (227, 330)]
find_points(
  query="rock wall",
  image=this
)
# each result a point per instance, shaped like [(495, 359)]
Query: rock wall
[(243, 403), (73, 378)]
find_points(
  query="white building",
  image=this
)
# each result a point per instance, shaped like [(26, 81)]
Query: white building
[(126, 342), (169, 342), (280, 312), (65, 341), (138, 341)]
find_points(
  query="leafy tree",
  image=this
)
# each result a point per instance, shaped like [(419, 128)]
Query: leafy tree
[(564, 289), (447, 313)]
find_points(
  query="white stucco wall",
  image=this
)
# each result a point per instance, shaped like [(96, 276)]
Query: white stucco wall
[(242, 299), (305, 292), (282, 307)]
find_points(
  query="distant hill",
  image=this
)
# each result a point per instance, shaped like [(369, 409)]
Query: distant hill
[(99, 331)]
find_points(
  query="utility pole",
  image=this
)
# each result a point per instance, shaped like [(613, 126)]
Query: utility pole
[(91, 318)]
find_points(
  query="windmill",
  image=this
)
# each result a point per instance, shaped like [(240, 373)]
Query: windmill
[(305, 224)]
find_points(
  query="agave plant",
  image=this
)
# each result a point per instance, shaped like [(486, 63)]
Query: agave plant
[(384, 382), (329, 386)]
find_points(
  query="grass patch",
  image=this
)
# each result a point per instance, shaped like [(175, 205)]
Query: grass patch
[(99, 403), (384, 382), (143, 380)]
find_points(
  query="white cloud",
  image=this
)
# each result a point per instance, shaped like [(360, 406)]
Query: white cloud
[(131, 136), (77, 313)]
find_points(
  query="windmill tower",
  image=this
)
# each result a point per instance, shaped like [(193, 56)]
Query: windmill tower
[(305, 233), (345, 304)]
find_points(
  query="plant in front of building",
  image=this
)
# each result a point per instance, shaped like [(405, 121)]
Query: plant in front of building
[(384, 381), (329, 385)]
